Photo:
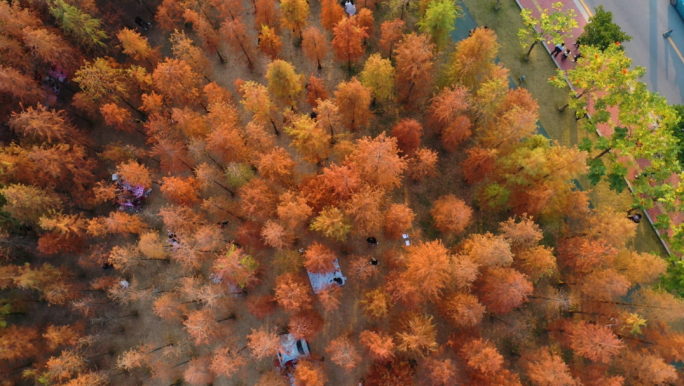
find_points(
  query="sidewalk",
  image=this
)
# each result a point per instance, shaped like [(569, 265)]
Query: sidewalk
[(604, 130)]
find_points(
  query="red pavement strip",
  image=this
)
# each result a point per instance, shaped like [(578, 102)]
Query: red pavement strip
[(537, 6)]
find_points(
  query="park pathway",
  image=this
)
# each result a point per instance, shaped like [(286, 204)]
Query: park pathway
[(604, 130)]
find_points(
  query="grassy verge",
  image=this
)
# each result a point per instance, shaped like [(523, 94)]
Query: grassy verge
[(561, 126)]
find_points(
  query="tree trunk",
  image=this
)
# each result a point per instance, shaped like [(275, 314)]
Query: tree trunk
[(530, 50), (498, 3), (565, 106), (602, 153), (274, 127), (220, 57)]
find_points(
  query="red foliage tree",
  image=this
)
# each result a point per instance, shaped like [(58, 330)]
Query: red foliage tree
[(479, 164), (408, 132)]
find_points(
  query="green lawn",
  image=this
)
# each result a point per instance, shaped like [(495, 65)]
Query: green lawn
[(561, 126)]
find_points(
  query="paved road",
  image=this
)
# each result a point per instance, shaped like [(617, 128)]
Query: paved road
[(645, 21)]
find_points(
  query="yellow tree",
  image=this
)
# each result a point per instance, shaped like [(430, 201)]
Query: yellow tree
[(134, 45), (378, 75), (311, 140), (269, 42), (256, 100), (294, 14), (284, 82)]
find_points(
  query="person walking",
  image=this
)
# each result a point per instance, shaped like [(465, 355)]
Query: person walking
[(350, 8), (667, 34), (559, 48), (372, 241)]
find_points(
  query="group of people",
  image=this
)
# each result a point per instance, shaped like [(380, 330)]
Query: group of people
[(54, 80), (566, 52), (129, 197), (472, 31)]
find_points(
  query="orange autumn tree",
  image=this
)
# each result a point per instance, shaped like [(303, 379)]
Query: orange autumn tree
[(504, 289), (315, 44), (309, 374), (380, 345), (462, 310), (175, 80), (331, 14), (269, 42), (343, 353), (348, 41), (482, 356), (427, 267), (414, 68), (234, 32), (594, 342), (353, 100), (316, 92), (118, 117), (448, 117), (391, 32), (422, 164), (319, 259), (43, 124), (266, 13), (545, 368), (378, 161), (181, 191), (263, 343), (134, 45), (398, 219), (451, 214), (292, 293)]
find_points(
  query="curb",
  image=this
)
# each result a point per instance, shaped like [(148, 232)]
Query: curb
[(629, 185)]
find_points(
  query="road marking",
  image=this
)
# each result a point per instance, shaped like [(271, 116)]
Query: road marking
[(675, 48), (586, 8)]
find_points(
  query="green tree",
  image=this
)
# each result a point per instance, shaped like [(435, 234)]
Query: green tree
[(601, 32), (439, 20), (81, 26), (553, 27), (678, 132), (640, 122)]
